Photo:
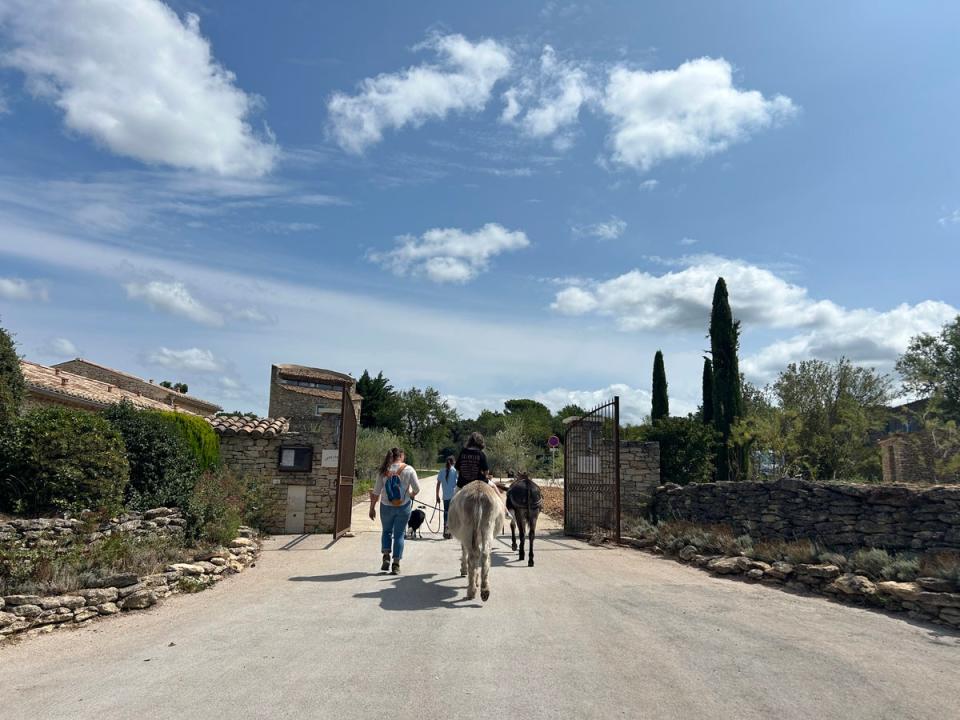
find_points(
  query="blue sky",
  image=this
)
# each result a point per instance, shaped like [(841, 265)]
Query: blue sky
[(499, 200)]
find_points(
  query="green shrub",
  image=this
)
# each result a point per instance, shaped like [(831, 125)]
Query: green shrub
[(372, 446), (686, 448), (832, 558), (801, 551), (221, 502), (201, 438), (870, 561), (904, 567), (163, 468), (57, 459), (12, 386)]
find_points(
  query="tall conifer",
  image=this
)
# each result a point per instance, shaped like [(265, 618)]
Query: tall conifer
[(706, 412), (661, 403), (727, 391)]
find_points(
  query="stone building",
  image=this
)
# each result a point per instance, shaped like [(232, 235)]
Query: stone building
[(145, 388), (294, 452), (51, 386), (911, 451)]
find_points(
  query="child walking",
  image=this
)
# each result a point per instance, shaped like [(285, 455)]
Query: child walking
[(396, 487), (446, 486)]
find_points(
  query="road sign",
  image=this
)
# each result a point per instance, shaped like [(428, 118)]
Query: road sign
[(554, 441)]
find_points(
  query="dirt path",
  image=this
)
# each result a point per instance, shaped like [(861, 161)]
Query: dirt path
[(314, 631)]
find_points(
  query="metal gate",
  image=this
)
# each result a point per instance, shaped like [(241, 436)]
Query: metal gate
[(591, 486), (346, 465)]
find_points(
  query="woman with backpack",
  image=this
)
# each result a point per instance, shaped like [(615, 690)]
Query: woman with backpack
[(396, 487)]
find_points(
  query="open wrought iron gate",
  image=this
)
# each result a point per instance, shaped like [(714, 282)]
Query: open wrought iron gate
[(591, 487), (346, 466)]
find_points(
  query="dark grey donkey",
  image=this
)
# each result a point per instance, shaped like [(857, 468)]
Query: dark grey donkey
[(524, 502)]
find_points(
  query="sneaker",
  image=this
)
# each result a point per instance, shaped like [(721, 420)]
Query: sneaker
[(385, 566), (446, 535), (395, 570)]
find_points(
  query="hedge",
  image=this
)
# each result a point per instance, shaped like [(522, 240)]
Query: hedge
[(201, 438)]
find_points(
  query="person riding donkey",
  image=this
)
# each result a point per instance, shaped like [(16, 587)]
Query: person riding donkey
[(447, 486)]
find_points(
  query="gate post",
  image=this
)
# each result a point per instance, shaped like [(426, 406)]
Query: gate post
[(616, 455)]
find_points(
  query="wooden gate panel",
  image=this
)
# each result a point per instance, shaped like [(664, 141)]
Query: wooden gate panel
[(346, 465)]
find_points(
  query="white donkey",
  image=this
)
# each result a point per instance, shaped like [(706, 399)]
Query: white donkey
[(476, 517)]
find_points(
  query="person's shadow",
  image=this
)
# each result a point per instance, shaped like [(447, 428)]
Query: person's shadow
[(417, 592)]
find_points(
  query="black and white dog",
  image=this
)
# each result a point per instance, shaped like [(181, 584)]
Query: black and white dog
[(416, 520)]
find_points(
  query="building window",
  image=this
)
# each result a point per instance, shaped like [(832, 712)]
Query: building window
[(296, 459)]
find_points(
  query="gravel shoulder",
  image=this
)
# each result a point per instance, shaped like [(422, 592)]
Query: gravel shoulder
[(314, 630)]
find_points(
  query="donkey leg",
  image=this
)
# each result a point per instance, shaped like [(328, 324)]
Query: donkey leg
[(463, 560), (521, 526), (485, 574), (513, 533), (533, 531), (472, 573)]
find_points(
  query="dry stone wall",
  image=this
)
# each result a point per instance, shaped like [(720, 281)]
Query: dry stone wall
[(64, 532), (639, 477), (840, 516)]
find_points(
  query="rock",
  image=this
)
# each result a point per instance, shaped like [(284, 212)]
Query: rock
[(139, 600), (235, 566), (243, 542), (27, 611), (130, 590), (938, 600), (85, 614), (207, 566), (218, 561), (15, 600), (7, 619), (825, 572), (108, 609), (159, 580), (935, 584), (118, 581), (157, 512), (950, 615), (2, 602), (49, 617), (780, 570), (755, 574), (725, 565), (219, 553), (186, 568), (50, 603), (98, 596), (72, 602), (850, 584), (900, 590), (688, 552), (640, 543)]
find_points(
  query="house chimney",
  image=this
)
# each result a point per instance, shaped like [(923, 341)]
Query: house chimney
[(63, 382)]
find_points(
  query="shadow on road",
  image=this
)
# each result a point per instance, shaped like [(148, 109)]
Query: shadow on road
[(337, 577), (417, 592)]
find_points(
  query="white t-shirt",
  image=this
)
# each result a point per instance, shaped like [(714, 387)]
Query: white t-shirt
[(408, 482)]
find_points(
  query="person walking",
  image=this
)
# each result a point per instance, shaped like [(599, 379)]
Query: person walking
[(447, 486), (396, 487), (471, 462)]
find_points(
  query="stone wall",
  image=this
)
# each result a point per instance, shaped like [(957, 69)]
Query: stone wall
[(840, 516), (912, 458), (639, 477), (62, 533)]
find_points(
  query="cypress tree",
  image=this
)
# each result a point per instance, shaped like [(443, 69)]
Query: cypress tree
[(706, 413), (661, 403), (727, 391)]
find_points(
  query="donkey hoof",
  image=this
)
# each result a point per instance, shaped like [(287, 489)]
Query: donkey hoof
[(471, 594), (530, 562), (513, 546), (522, 557), (463, 573), (484, 595)]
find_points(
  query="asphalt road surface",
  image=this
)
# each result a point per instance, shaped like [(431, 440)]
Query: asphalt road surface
[(315, 631)]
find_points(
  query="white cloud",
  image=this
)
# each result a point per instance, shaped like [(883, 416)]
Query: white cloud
[(555, 94), (139, 80), (194, 359), (691, 111), (12, 288), (952, 218), (174, 297), (688, 241), (463, 81), (634, 402), (649, 185), (60, 348), (450, 254), (608, 230)]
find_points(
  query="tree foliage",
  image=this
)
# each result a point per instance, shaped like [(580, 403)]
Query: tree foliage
[(510, 450), (61, 459), (201, 438), (426, 421), (686, 448), (661, 403), (706, 408), (727, 393), (930, 368), (12, 386), (381, 406), (163, 467), (536, 419), (372, 446)]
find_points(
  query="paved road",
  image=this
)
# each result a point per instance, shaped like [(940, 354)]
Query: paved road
[(314, 631)]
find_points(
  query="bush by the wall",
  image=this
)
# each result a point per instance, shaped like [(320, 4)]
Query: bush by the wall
[(201, 438), (56, 459), (163, 467), (221, 502), (686, 448)]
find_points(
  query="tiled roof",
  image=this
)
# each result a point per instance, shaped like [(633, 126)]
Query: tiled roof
[(148, 386), (257, 427), (71, 387), (309, 373)]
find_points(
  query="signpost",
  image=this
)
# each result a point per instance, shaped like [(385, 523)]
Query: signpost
[(553, 442)]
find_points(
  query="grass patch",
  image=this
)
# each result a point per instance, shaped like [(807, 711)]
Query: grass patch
[(362, 488)]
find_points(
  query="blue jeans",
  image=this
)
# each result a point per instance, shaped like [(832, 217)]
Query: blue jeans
[(446, 512), (394, 520)]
